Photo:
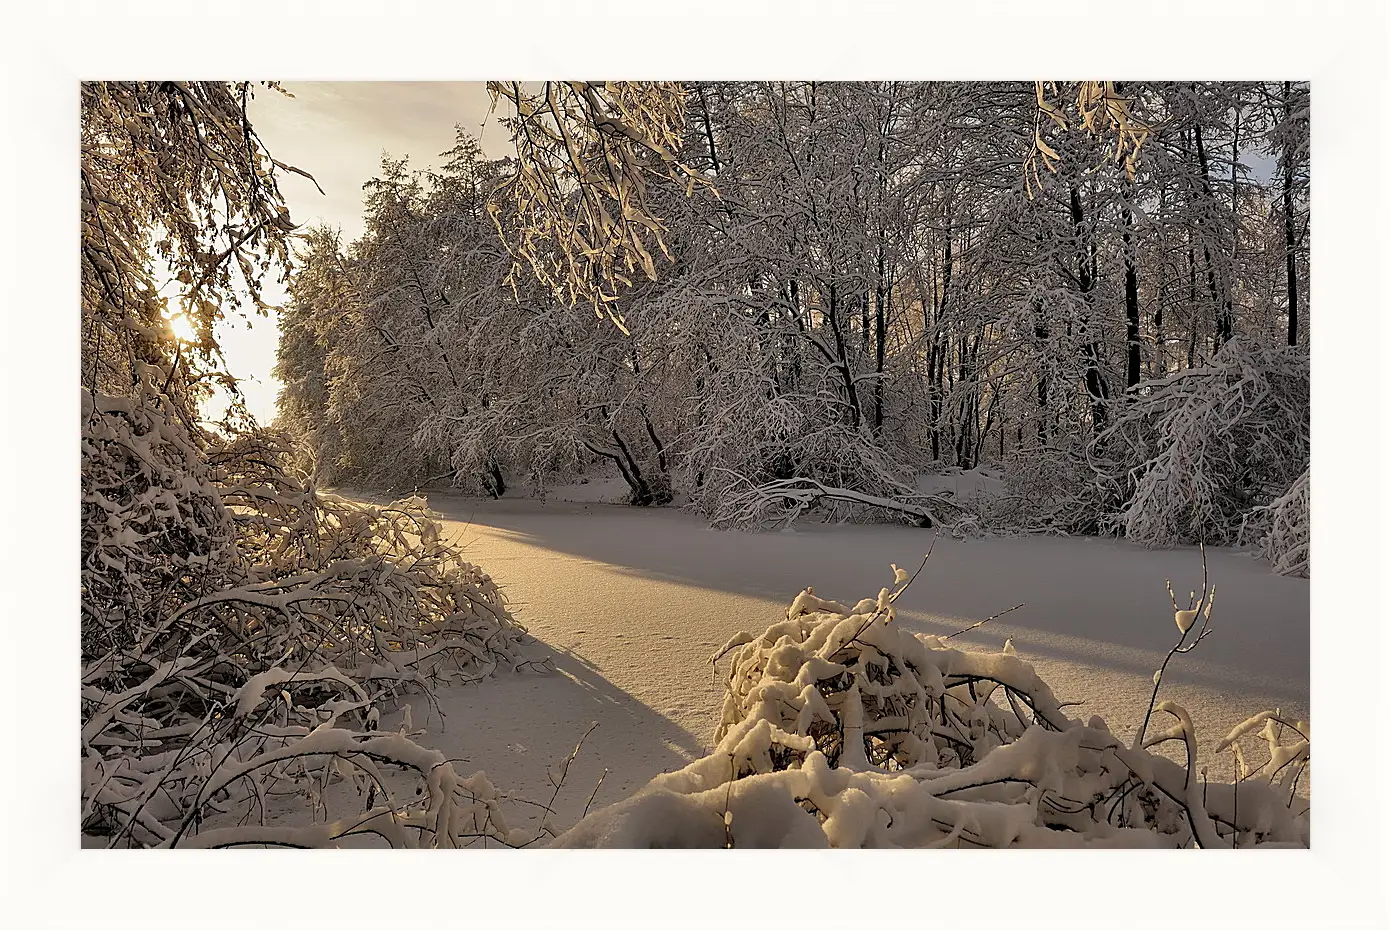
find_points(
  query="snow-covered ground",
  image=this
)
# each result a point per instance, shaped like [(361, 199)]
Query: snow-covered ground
[(963, 485), (631, 603)]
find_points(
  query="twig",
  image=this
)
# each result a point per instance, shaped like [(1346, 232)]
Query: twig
[(983, 622), (729, 787), (594, 793), (1204, 609), (893, 597), (564, 771)]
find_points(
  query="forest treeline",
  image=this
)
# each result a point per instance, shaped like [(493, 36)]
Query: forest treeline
[(834, 287)]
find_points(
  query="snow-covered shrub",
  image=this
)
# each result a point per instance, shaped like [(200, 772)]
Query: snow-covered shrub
[(155, 534), (842, 729), (787, 461), (400, 588), (1047, 490), (1189, 455), (229, 687), (1280, 529), (452, 811)]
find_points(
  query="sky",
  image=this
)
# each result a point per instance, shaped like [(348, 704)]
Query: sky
[(338, 132)]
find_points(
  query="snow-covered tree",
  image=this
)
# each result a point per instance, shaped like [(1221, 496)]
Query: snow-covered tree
[(240, 629), (823, 289), (175, 182)]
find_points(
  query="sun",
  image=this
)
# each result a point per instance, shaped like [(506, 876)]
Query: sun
[(182, 327)]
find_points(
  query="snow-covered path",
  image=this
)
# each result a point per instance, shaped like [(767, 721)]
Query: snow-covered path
[(633, 602)]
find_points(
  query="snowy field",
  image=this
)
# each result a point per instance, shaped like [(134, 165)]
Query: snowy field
[(631, 603)]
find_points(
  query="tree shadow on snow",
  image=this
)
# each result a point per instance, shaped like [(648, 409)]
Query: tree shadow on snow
[(1098, 601), (520, 728)]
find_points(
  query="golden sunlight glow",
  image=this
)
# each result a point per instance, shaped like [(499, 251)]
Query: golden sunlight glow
[(182, 328)]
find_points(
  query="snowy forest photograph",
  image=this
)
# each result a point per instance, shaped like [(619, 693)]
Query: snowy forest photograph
[(652, 496), (1016, 373)]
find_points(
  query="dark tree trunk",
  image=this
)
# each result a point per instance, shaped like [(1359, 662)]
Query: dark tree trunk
[(1097, 389), (1222, 301), (656, 443), (1132, 294), (709, 130), (963, 407), (794, 377), (1041, 333), (641, 495), (493, 480), (864, 322), (938, 351), (842, 359), (934, 388), (881, 294), (640, 492)]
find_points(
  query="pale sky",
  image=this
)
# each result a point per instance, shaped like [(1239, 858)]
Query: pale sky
[(338, 132)]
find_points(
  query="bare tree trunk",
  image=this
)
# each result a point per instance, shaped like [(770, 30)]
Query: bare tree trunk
[(1222, 301), (1236, 221), (1132, 285), (864, 322), (1086, 267), (937, 347), (962, 406), (1132, 292), (709, 130), (656, 443), (880, 284), (1041, 333), (843, 360), (934, 387), (1159, 359), (641, 495), (494, 482), (794, 375)]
